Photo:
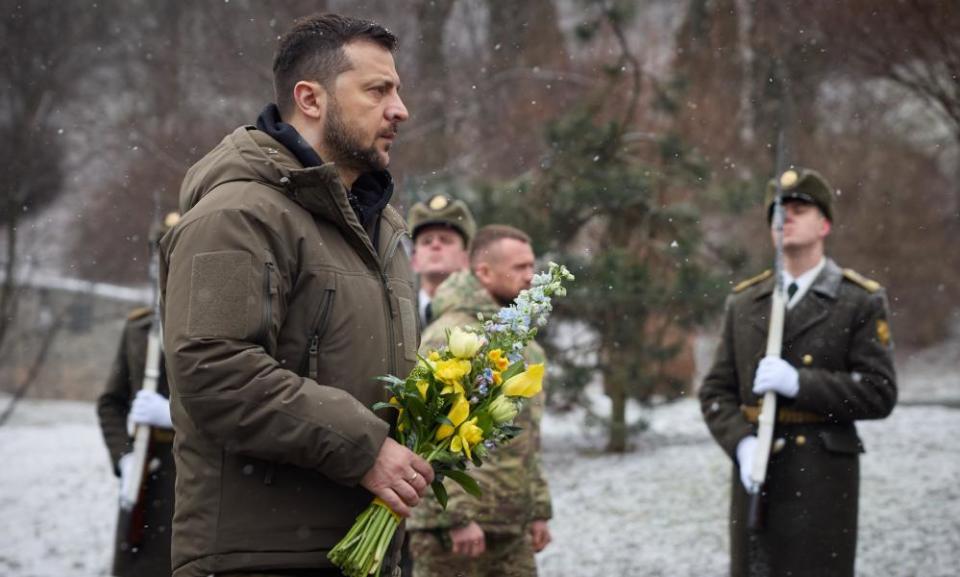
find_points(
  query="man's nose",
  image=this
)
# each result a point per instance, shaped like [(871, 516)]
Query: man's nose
[(396, 111)]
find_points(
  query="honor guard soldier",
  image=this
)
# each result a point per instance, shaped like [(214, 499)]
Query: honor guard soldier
[(836, 367), (441, 229), (142, 547)]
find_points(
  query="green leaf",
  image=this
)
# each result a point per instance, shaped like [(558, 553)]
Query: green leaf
[(514, 369), (382, 405), (440, 492), (466, 481)]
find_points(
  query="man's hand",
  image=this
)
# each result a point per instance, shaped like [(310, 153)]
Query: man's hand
[(540, 535), (746, 449), (398, 476), (151, 408), (468, 540), (776, 374)]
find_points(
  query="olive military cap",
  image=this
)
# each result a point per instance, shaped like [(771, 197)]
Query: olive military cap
[(440, 210), (801, 184)]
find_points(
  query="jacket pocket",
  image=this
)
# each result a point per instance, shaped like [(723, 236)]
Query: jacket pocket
[(309, 366), (844, 443)]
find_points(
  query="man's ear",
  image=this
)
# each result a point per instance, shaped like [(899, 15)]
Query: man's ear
[(827, 227), (481, 270), (310, 99)]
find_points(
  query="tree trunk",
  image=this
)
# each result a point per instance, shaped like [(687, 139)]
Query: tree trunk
[(8, 308)]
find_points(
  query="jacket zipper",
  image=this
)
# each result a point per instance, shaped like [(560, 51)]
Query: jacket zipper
[(263, 336), (391, 250), (309, 366)]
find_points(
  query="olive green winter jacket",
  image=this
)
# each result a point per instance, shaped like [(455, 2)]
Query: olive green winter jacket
[(278, 315)]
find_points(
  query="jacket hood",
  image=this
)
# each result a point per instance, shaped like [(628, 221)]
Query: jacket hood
[(245, 155), (462, 291)]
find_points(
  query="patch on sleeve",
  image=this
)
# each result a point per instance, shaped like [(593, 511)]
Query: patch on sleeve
[(883, 332), (220, 294)]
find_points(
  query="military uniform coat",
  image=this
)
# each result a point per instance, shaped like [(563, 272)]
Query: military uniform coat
[(152, 556), (838, 339)]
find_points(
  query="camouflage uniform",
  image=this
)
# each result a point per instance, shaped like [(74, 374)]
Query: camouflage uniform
[(514, 490)]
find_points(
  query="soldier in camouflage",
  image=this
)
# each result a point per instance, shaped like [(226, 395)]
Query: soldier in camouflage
[(497, 534)]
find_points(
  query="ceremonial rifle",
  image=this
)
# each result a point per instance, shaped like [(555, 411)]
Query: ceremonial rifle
[(131, 491), (778, 309)]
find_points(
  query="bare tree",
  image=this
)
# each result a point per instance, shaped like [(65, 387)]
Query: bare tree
[(49, 49)]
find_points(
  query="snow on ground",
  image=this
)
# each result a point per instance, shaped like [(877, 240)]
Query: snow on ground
[(659, 510)]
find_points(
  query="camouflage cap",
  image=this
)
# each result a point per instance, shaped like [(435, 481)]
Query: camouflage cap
[(801, 184), (441, 210)]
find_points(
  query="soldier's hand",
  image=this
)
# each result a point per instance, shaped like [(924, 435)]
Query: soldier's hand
[(777, 375), (469, 540), (151, 408), (746, 449), (540, 535), (398, 476)]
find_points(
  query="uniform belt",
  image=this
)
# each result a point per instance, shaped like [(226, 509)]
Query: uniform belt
[(784, 415), (161, 435)]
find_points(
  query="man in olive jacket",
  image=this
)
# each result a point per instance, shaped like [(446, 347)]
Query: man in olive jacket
[(836, 367), (286, 294), (497, 534)]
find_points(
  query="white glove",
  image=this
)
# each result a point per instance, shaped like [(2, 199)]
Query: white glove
[(777, 375), (746, 449), (150, 408)]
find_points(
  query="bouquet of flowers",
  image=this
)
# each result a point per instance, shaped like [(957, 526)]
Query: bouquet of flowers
[(456, 406)]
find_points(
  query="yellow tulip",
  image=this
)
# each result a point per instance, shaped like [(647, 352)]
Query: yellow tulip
[(464, 344), (468, 435), (458, 414), (526, 384)]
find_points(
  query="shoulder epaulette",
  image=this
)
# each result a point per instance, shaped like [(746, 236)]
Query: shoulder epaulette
[(744, 285), (871, 286), (138, 313)]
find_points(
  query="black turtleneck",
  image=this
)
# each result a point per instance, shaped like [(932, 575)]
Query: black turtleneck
[(369, 194)]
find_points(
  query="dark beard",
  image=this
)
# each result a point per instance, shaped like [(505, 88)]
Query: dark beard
[(345, 145)]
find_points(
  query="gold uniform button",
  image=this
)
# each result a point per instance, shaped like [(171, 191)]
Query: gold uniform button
[(808, 360), (801, 440)]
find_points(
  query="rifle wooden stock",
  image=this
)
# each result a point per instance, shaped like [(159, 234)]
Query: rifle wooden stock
[(768, 411)]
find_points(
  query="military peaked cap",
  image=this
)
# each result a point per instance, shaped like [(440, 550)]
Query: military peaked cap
[(801, 184), (441, 210)]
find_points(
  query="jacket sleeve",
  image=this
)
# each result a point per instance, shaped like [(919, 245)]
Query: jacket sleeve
[(720, 392), (113, 405), (868, 390), (218, 314)]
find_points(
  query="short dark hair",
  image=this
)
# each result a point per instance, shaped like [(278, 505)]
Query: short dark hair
[(313, 50), (490, 234)]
